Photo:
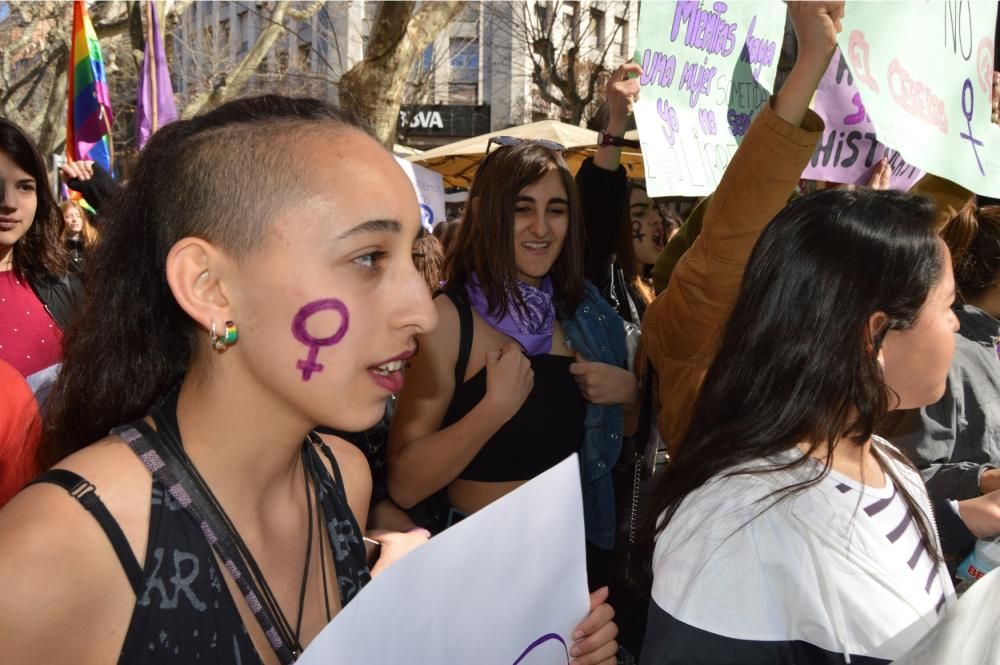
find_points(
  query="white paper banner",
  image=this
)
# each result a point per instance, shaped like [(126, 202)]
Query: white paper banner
[(506, 586), (707, 68)]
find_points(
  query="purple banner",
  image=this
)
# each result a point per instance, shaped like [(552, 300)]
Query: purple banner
[(848, 152)]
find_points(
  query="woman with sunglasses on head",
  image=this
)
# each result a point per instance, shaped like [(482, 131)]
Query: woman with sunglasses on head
[(527, 365), (221, 528)]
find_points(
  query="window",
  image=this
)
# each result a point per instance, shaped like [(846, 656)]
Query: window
[(242, 30), (542, 14), (597, 20), (621, 37), (427, 58), (305, 57), (464, 57), (571, 21), (462, 93)]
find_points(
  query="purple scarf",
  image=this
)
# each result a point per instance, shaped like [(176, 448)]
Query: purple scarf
[(531, 327)]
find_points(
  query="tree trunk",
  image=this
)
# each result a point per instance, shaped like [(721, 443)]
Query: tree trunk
[(373, 89)]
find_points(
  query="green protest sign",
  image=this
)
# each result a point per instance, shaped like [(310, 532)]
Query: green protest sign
[(924, 71), (707, 68)]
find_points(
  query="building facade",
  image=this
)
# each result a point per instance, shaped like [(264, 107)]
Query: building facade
[(498, 64)]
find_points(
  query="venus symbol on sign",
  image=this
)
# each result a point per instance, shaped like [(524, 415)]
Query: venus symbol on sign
[(309, 364), (968, 93)]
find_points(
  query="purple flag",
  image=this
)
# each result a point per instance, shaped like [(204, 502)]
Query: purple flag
[(155, 106)]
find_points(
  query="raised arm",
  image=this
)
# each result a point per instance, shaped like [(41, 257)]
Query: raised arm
[(601, 180), (682, 326)]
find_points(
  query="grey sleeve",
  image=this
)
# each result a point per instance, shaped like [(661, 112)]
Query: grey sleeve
[(928, 436)]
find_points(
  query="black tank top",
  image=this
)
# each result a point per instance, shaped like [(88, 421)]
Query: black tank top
[(184, 613), (547, 429)]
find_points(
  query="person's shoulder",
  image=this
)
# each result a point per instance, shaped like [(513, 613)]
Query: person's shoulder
[(53, 554)]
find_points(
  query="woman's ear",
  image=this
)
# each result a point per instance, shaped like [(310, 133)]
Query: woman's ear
[(878, 323), (195, 273)]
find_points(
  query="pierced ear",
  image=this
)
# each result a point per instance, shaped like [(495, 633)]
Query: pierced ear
[(195, 272)]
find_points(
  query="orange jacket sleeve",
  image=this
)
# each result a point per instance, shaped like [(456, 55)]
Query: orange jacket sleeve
[(683, 325)]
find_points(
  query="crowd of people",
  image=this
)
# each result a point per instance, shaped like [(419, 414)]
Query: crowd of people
[(250, 365)]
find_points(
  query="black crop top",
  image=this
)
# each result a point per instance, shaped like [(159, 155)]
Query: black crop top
[(547, 429)]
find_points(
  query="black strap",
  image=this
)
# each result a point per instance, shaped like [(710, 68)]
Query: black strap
[(465, 335), (84, 492)]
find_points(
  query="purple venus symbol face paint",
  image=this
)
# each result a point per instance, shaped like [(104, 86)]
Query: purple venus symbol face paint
[(309, 365)]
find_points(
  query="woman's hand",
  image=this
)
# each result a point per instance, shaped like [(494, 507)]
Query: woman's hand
[(604, 384), (621, 92), (594, 638), (82, 170), (881, 176), (509, 380), (396, 545)]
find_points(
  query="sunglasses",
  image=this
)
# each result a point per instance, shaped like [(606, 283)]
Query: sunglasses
[(504, 141)]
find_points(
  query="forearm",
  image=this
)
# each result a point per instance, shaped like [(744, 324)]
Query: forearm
[(609, 157), (981, 515), (431, 462), (960, 480), (386, 515)]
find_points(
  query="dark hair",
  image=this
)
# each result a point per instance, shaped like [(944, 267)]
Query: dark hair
[(485, 242), (796, 362), (636, 275), (973, 236), (221, 176), (39, 255)]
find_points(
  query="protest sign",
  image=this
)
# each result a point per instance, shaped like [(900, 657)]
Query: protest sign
[(929, 94), (707, 68), (505, 586), (429, 187), (967, 633), (849, 150)]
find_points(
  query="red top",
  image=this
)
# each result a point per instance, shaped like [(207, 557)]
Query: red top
[(30, 340), (20, 429)]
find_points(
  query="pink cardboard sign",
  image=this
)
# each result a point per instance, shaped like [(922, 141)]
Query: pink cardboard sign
[(848, 152)]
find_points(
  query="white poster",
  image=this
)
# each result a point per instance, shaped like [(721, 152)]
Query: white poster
[(430, 192), (506, 586), (707, 68), (967, 633)]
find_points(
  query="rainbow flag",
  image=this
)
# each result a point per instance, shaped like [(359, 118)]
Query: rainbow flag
[(89, 117)]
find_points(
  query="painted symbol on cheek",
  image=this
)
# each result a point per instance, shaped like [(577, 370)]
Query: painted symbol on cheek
[(309, 365), (637, 233)]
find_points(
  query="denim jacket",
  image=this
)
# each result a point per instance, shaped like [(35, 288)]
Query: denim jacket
[(597, 333)]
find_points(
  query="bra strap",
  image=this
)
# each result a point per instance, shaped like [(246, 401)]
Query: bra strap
[(465, 335), (85, 492)]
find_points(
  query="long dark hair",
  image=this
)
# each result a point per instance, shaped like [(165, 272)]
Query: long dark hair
[(485, 242), (796, 361), (39, 255), (974, 239), (223, 177)]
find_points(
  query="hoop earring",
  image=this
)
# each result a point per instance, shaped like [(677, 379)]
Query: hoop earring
[(228, 337)]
